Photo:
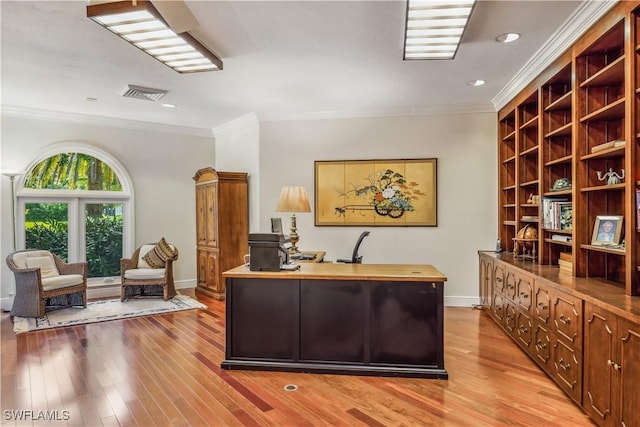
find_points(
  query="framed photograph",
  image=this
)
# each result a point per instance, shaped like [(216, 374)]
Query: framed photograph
[(376, 192), (607, 230)]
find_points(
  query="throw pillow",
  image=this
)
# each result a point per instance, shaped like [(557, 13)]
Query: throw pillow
[(158, 256), (44, 263), (153, 259)]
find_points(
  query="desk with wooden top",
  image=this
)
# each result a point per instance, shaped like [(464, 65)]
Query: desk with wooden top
[(361, 319)]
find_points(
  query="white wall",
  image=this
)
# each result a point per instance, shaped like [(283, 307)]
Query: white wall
[(237, 150), (275, 154), (465, 146), (161, 165)]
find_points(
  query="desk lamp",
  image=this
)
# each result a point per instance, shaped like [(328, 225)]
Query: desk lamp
[(293, 199)]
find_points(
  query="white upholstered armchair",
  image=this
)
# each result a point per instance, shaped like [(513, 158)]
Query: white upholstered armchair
[(149, 271), (40, 276)]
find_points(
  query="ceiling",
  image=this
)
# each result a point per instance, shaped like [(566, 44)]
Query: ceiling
[(282, 60)]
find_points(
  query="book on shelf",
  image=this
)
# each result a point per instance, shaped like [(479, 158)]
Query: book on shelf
[(529, 218), (566, 256), (565, 265), (561, 237), (607, 145), (557, 214)]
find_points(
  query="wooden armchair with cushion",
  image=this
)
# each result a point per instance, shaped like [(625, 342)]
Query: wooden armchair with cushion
[(149, 271), (41, 275)]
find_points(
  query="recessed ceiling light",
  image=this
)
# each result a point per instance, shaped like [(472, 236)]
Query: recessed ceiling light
[(169, 105), (91, 99), (508, 37), (477, 82)]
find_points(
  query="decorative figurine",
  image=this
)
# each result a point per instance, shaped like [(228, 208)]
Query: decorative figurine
[(611, 176)]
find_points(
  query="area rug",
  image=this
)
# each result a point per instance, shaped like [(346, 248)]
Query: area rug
[(100, 311)]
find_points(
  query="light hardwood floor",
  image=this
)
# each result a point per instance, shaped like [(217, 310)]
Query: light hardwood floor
[(164, 370)]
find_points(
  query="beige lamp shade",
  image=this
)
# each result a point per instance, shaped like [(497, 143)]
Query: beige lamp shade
[(293, 199)]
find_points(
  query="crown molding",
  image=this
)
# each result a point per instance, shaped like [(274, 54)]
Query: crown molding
[(249, 119), (87, 119), (430, 111), (573, 28)]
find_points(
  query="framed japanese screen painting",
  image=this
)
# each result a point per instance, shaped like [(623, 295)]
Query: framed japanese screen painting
[(376, 192)]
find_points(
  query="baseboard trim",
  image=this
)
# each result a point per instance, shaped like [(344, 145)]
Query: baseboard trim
[(461, 301)]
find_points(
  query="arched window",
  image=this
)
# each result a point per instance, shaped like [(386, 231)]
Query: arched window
[(75, 201)]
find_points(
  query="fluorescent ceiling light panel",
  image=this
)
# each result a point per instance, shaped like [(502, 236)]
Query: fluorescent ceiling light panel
[(140, 24), (434, 28)]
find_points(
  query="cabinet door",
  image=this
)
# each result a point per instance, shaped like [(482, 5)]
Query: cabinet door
[(404, 323), (629, 398), (211, 221), (567, 318), (542, 305), (542, 347), (486, 280), (332, 320), (567, 369), (262, 319), (510, 318), (201, 215), (208, 270), (524, 331), (510, 285), (599, 354), (497, 307), (499, 275), (524, 292)]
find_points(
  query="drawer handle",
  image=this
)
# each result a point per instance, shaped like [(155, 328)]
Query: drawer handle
[(615, 366), (542, 305), (541, 344), (565, 320), (524, 295), (564, 365), (523, 330), (510, 287)]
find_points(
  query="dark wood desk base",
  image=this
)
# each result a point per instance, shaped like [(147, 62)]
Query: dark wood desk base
[(359, 326)]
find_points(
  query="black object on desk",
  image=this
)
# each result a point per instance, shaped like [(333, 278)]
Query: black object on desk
[(265, 252)]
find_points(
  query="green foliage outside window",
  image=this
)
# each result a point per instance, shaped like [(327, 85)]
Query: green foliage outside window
[(103, 244), (73, 171)]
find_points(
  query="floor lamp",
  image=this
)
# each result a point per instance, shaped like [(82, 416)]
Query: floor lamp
[(12, 177)]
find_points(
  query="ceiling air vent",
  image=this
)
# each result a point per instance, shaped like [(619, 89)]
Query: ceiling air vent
[(146, 93)]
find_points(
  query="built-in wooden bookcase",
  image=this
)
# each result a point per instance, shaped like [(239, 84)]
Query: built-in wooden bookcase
[(557, 158), (578, 120), (600, 81), (507, 184)]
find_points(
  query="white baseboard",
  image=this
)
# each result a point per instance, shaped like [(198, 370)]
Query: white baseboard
[(6, 303), (461, 301)]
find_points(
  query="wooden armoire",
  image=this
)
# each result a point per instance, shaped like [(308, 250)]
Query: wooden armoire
[(222, 226)]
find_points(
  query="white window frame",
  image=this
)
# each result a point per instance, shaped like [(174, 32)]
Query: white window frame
[(77, 199)]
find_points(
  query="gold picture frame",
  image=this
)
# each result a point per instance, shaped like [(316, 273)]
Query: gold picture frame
[(607, 230), (395, 192)]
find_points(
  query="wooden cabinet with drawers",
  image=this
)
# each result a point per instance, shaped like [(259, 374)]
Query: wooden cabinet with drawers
[(587, 346)]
